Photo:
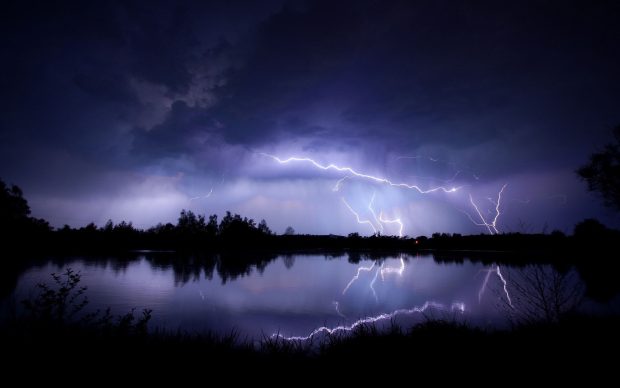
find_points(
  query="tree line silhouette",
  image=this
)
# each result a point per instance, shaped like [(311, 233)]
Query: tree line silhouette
[(191, 232), (199, 233)]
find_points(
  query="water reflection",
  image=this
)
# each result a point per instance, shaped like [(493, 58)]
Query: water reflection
[(381, 271), (542, 293), (496, 270), (301, 296)]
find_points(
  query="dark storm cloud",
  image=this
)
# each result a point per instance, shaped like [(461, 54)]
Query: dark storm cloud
[(189, 87), (455, 74), (177, 135), (75, 64), (93, 92), (450, 75)]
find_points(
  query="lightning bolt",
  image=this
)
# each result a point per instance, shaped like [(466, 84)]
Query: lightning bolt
[(501, 277), (491, 226), (457, 306), (382, 270), (378, 225), (372, 211), (494, 269), (379, 220), (202, 196), (353, 172)]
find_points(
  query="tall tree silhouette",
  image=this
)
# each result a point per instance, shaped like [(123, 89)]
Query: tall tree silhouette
[(602, 173), (15, 220), (13, 206)]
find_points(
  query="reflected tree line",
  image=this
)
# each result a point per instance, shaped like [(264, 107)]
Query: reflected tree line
[(539, 291)]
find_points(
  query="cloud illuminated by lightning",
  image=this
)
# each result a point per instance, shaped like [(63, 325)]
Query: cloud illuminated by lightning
[(457, 306)]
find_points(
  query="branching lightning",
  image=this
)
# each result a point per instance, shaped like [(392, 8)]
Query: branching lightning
[(357, 216), (380, 220), (352, 172), (382, 271), (394, 221), (372, 211), (377, 223), (491, 226), (460, 307)]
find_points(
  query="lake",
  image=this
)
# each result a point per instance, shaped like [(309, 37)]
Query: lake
[(305, 295)]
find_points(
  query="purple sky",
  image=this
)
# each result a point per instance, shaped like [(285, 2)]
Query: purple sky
[(135, 110)]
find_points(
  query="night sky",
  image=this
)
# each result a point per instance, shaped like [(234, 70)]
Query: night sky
[(135, 110)]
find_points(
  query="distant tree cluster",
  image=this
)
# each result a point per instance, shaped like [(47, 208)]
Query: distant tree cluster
[(192, 231)]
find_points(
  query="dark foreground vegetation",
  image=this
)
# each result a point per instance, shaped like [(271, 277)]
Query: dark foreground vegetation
[(577, 346), (55, 332)]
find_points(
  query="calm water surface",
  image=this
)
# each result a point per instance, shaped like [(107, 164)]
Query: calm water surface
[(290, 295)]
